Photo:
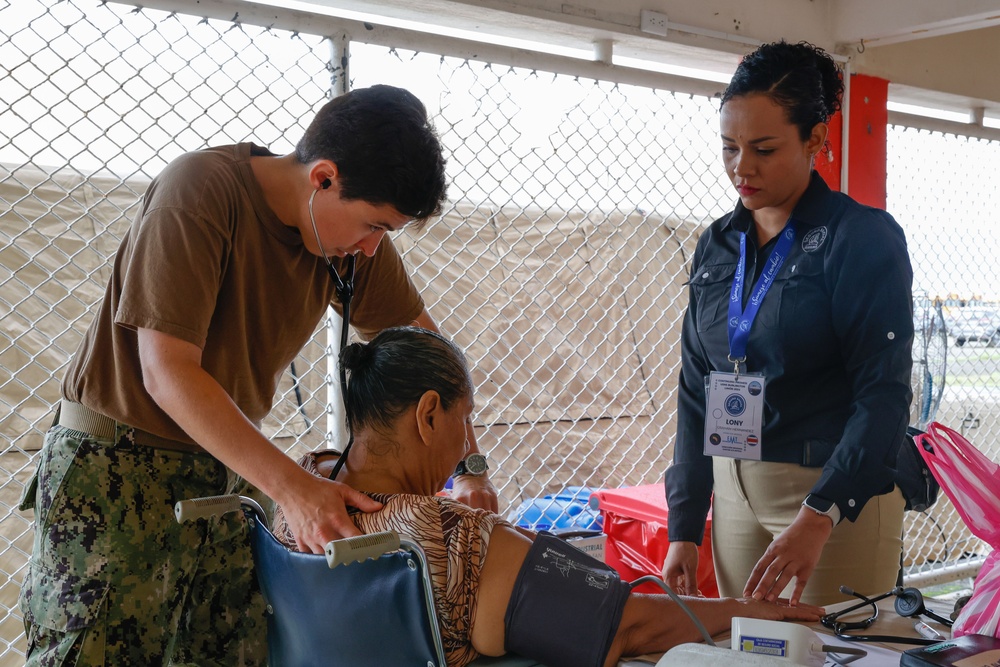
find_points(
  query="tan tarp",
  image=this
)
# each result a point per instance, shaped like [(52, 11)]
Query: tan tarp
[(571, 322), (57, 233)]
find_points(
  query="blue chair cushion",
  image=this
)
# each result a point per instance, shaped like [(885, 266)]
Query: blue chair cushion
[(371, 613)]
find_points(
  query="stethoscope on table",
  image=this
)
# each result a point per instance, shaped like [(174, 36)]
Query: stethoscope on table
[(909, 603)]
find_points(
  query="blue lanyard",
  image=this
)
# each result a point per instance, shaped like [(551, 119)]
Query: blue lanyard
[(740, 321)]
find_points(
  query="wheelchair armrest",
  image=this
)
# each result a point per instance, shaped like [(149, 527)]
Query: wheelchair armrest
[(209, 506), (202, 508), (360, 548), (338, 552)]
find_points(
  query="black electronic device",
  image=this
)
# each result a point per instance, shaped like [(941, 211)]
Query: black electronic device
[(968, 651)]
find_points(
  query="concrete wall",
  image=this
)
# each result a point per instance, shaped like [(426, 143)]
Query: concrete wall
[(960, 64)]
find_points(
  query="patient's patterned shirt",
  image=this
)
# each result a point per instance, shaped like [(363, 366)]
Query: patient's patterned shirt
[(455, 539)]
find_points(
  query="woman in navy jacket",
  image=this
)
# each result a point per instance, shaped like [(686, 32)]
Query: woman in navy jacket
[(794, 388)]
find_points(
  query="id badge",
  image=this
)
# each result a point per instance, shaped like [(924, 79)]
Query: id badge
[(734, 415)]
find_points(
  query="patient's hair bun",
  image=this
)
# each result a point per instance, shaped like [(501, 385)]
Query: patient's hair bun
[(355, 356)]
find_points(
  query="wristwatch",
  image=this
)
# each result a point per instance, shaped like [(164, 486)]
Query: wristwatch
[(473, 464), (823, 506)]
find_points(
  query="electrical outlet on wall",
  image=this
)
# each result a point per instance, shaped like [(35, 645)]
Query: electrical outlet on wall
[(654, 23)]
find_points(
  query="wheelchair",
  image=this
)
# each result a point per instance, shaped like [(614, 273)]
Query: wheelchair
[(367, 601)]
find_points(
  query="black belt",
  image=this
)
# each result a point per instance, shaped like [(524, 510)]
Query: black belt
[(808, 454), (815, 453)]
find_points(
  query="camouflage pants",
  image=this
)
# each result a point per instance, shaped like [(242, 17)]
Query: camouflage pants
[(115, 580)]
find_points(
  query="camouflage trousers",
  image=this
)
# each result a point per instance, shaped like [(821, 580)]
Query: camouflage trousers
[(115, 580)]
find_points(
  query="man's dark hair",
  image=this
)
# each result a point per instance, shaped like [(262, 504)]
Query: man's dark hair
[(385, 149), (801, 78), (391, 373)]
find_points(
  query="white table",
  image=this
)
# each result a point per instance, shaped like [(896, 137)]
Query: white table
[(879, 654)]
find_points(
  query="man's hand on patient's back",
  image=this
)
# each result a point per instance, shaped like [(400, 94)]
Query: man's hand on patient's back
[(475, 491), (316, 512)]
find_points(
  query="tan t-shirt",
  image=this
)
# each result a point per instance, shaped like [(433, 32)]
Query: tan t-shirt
[(209, 262)]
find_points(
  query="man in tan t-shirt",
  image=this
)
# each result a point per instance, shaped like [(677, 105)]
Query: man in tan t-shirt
[(215, 289)]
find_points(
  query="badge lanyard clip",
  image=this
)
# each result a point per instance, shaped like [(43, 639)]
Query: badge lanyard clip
[(736, 365)]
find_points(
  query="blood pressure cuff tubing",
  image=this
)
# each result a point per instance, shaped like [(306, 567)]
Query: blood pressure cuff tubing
[(565, 608)]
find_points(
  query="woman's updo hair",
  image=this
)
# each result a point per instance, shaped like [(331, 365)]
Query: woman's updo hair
[(389, 375), (801, 78)]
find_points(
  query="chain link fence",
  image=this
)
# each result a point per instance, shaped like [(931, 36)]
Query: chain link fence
[(558, 266), (945, 200)]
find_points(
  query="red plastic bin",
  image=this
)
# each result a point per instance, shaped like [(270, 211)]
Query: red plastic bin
[(635, 521)]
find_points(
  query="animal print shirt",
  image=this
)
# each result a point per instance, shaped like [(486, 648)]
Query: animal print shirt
[(454, 537)]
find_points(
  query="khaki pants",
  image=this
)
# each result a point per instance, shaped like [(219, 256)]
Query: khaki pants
[(755, 500)]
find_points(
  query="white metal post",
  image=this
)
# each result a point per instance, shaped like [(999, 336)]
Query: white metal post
[(336, 421)]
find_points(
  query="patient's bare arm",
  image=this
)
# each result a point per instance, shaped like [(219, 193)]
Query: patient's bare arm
[(649, 623), (655, 623), (504, 558)]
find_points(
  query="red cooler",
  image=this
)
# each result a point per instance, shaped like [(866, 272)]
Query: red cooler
[(635, 521)]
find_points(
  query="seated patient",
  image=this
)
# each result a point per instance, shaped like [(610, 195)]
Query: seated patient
[(496, 588)]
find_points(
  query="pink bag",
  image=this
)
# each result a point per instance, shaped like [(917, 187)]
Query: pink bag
[(972, 482)]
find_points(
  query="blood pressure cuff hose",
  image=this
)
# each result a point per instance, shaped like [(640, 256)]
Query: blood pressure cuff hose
[(565, 608)]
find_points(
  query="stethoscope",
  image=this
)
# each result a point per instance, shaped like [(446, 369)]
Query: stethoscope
[(344, 287), (909, 603)]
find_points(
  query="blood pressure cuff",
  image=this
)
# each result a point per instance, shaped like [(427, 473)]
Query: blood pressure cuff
[(565, 608)]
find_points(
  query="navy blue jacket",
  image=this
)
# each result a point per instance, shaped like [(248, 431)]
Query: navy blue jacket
[(832, 339)]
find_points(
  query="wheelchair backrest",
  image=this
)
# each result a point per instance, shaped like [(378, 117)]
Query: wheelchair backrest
[(378, 612)]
